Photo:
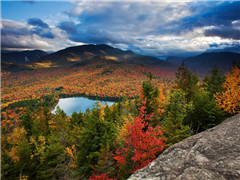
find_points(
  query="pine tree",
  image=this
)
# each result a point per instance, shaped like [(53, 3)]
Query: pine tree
[(96, 134), (27, 122), (151, 94), (213, 83), (187, 81), (177, 110), (206, 114)]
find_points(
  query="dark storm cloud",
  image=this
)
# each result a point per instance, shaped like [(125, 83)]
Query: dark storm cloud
[(203, 14), (152, 27), (215, 15), (224, 32), (37, 22), (161, 20), (92, 35), (225, 47)]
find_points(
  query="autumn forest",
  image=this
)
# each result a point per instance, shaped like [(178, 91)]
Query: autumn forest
[(157, 107)]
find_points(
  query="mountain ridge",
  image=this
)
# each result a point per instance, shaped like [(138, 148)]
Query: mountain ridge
[(22, 57), (204, 62), (79, 54)]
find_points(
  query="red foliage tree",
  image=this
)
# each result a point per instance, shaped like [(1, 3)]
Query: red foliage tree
[(142, 142), (100, 177)]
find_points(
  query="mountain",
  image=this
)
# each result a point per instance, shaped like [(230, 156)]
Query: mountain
[(203, 63), (22, 57), (175, 60), (212, 154), (87, 54)]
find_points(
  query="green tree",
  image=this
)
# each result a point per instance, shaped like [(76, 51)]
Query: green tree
[(206, 114), (213, 83), (176, 111), (27, 122), (96, 134), (151, 94), (187, 81)]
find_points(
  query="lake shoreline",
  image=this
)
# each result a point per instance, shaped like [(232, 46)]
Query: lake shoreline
[(116, 99), (78, 104)]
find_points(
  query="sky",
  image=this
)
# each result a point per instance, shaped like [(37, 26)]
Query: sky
[(151, 27)]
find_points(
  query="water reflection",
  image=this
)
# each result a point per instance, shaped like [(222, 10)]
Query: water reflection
[(76, 104)]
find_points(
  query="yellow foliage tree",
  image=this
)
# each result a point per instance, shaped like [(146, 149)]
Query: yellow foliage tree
[(71, 152), (229, 99), (21, 149)]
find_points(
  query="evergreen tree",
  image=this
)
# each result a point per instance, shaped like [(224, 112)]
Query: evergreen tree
[(177, 110), (206, 114), (213, 83), (96, 134), (27, 122), (151, 94), (76, 119), (187, 81)]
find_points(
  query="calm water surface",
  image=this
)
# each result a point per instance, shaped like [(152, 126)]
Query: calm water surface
[(76, 104)]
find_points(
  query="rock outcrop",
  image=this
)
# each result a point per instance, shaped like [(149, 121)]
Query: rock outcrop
[(211, 155)]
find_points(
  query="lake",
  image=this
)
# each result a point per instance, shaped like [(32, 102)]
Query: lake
[(76, 104)]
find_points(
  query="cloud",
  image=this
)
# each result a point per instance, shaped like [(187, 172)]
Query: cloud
[(37, 22), (22, 36), (226, 47), (67, 26), (211, 14), (224, 32), (153, 27), (40, 28), (158, 28), (19, 35)]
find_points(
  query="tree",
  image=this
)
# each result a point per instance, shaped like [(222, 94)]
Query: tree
[(229, 99), (96, 134), (206, 114), (187, 81), (27, 122), (21, 151), (214, 82), (151, 94), (177, 110), (140, 145), (160, 107)]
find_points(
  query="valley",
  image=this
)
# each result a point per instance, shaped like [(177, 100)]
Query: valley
[(116, 90), (153, 99)]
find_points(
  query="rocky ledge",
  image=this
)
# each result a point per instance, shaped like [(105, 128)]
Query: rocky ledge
[(210, 155)]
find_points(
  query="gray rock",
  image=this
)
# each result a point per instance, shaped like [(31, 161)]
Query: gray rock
[(211, 155)]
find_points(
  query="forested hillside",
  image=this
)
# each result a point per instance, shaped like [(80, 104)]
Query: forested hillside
[(155, 111)]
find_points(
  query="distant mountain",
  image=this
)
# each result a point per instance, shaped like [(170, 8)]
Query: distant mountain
[(175, 60), (87, 54), (203, 63), (22, 57)]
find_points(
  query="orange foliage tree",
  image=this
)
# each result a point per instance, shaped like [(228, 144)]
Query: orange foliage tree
[(229, 99)]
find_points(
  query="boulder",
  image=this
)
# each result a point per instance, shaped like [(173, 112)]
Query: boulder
[(213, 154)]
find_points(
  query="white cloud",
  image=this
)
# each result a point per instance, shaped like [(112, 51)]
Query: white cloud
[(18, 36)]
